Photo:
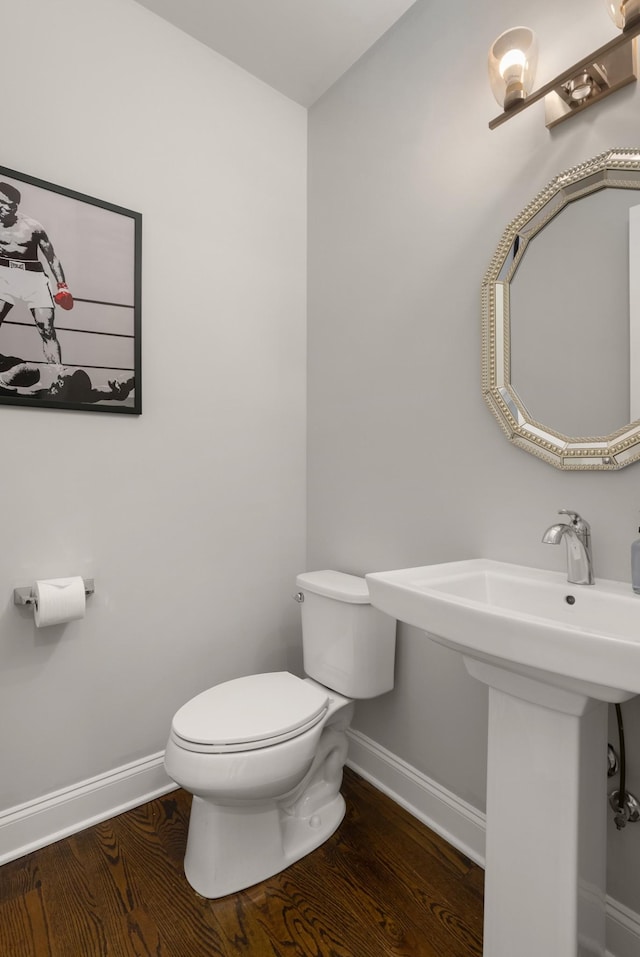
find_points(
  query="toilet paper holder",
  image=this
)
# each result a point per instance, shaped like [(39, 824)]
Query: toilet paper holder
[(25, 595)]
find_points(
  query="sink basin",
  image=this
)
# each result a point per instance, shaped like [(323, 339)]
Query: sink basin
[(582, 638)]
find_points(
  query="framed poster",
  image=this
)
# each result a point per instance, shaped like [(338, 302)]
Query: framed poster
[(70, 300)]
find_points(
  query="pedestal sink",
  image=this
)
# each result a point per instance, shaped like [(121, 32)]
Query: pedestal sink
[(553, 655)]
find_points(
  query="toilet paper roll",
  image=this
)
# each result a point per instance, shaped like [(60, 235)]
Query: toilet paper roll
[(58, 600)]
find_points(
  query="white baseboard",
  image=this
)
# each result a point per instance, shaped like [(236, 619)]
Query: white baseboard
[(29, 826), (623, 930), (461, 824)]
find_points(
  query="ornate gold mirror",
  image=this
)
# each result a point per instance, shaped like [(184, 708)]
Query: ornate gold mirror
[(561, 319)]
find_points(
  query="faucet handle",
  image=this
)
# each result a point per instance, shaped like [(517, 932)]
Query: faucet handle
[(574, 518), (567, 511)]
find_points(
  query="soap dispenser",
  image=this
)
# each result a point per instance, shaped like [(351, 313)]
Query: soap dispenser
[(635, 565)]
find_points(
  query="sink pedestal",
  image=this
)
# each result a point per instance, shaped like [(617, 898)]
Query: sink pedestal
[(546, 818)]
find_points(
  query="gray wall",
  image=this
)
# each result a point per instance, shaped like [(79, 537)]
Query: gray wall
[(190, 518), (409, 193)]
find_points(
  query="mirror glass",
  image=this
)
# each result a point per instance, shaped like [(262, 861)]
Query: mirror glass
[(561, 316)]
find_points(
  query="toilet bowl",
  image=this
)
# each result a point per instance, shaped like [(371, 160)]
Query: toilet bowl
[(263, 754)]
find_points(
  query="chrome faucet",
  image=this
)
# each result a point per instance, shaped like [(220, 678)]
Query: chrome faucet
[(577, 534)]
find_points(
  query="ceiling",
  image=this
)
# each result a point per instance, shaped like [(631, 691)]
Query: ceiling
[(299, 47)]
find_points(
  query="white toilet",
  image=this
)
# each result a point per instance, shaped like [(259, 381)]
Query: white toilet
[(263, 755)]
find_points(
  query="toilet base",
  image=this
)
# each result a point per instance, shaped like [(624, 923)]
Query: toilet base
[(232, 848)]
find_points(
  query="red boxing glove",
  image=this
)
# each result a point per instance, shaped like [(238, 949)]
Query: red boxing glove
[(63, 297)]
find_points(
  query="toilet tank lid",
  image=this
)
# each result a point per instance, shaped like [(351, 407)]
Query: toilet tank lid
[(336, 585)]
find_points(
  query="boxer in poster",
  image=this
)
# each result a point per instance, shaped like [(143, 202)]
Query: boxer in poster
[(22, 274)]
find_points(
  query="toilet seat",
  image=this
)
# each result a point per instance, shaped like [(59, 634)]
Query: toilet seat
[(247, 713)]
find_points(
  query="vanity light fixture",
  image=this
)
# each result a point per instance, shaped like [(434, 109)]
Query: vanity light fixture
[(512, 66), (623, 12), (595, 76)]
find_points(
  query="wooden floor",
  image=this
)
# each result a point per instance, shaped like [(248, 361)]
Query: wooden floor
[(382, 885)]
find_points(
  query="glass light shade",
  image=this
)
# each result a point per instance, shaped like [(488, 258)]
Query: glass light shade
[(512, 65), (623, 12)]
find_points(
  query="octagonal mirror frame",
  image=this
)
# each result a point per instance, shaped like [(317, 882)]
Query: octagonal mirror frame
[(618, 169)]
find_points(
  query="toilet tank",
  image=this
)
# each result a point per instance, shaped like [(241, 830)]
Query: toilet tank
[(348, 645)]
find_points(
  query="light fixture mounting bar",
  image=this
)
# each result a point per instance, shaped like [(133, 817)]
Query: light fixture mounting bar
[(601, 78), (603, 54)]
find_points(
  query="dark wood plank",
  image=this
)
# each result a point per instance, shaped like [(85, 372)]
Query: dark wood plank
[(70, 902), (383, 885), (24, 931), (19, 878), (437, 876)]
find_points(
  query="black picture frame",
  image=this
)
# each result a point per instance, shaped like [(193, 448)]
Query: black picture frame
[(84, 351)]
